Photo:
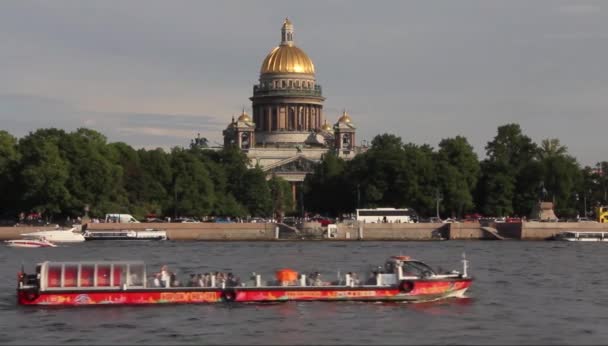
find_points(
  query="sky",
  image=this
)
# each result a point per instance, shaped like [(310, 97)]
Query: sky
[(157, 73)]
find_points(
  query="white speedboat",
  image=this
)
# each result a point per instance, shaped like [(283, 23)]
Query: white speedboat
[(582, 236), (30, 242), (72, 235)]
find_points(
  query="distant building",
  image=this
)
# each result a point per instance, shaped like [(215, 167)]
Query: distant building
[(288, 132)]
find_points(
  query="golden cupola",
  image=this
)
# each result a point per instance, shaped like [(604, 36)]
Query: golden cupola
[(345, 118), (287, 58), (244, 117)]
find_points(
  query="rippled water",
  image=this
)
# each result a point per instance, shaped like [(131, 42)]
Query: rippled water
[(523, 293)]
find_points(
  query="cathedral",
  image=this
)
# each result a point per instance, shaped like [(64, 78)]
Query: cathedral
[(287, 132)]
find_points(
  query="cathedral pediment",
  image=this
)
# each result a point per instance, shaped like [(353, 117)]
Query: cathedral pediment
[(296, 164)]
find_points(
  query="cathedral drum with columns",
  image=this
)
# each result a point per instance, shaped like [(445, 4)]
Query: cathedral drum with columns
[(287, 132)]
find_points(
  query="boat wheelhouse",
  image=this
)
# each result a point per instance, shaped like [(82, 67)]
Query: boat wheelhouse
[(129, 282)]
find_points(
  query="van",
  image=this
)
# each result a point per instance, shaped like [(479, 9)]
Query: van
[(120, 218)]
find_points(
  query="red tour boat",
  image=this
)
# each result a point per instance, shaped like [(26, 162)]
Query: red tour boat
[(127, 283)]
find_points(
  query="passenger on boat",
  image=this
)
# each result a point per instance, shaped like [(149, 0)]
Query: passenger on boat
[(165, 276), (316, 279), (157, 282), (193, 281), (355, 279), (371, 279), (173, 280), (134, 280), (233, 281), (205, 280)]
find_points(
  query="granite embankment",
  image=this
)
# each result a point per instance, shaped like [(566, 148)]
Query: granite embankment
[(342, 232)]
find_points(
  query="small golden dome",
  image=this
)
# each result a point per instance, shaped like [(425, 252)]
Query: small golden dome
[(244, 117), (326, 127), (287, 59), (345, 118)]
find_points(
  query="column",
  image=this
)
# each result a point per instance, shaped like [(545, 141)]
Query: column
[(293, 192)]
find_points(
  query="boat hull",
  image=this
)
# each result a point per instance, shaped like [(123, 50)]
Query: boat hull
[(28, 244), (419, 291), (89, 238)]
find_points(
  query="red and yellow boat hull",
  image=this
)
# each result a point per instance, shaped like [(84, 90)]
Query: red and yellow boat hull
[(409, 291)]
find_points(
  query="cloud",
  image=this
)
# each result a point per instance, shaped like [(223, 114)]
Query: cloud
[(21, 114)]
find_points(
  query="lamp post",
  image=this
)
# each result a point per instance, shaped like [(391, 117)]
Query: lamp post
[(438, 197), (576, 205)]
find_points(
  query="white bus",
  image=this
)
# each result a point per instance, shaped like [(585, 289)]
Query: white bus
[(387, 215)]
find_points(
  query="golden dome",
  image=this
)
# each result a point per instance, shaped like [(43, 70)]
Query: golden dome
[(326, 127), (345, 118), (244, 117), (287, 58)]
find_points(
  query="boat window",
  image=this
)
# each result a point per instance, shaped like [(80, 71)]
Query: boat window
[(136, 275), (70, 275), (412, 268), (119, 274), (54, 275), (103, 275), (87, 273), (389, 267)]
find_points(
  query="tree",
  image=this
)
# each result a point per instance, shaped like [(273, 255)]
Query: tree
[(255, 194), (96, 176), (282, 199), (561, 175), (193, 190), (506, 182), (9, 159), (43, 173), (459, 169)]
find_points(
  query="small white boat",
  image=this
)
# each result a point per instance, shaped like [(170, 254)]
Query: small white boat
[(72, 235), (582, 236), (30, 242)]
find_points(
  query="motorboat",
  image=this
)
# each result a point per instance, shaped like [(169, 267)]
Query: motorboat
[(582, 236), (30, 242), (71, 235), (401, 279), (147, 234)]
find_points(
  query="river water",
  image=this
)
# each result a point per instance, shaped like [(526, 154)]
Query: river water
[(523, 293)]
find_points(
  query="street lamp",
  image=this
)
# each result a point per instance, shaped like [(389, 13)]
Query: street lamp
[(438, 197), (576, 205)]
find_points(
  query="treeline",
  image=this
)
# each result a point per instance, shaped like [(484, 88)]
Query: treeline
[(59, 174), (516, 174)]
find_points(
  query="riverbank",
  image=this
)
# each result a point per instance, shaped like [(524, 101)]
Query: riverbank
[(342, 231)]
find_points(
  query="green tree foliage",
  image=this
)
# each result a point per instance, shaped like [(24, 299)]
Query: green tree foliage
[(561, 176), (192, 187), (43, 173), (58, 173), (95, 176), (255, 194), (459, 171), (9, 159), (509, 177), (327, 191), (282, 196)]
